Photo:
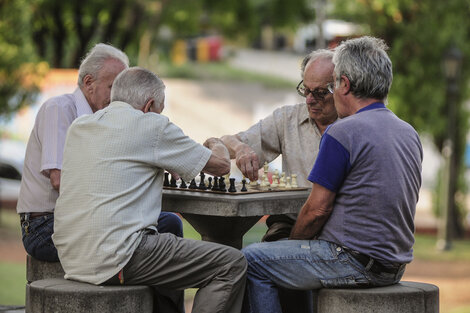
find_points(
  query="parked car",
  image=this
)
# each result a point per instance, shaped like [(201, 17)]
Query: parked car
[(11, 167)]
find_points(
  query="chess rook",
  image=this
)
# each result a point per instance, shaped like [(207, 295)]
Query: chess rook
[(166, 182), (232, 185)]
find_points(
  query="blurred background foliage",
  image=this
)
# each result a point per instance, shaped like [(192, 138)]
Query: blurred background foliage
[(38, 34)]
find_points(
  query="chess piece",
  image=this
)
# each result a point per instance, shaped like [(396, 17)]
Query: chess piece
[(288, 184), (232, 185), (275, 182), (166, 182), (202, 183), (244, 185), (215, 187), (193, 184), (173, 182), (294, 181), (209, 187), (266, 168), (253, 183), (222, 184), (183, 184), (282, 180), (264, 181)]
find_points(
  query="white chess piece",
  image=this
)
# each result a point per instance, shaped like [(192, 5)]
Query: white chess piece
[(288, 184), (275, 180), (282, 180), (294, 181)]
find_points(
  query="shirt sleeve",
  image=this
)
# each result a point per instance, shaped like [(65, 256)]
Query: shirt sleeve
[(265, 137), (332, 164), (52, 129), (177, 152)]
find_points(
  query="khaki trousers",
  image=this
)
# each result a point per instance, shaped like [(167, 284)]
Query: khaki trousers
[(171, 264)]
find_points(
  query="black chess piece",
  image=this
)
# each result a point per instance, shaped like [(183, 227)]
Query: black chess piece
[(193, 184), (202, 184), (244, 186), (222, 184), (215, 187), (183, 184), (173, 182), (209, 187), (232, 185), (166, 182)]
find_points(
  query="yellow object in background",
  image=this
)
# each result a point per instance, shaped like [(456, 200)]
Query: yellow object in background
[(202, 50), (178, 52)]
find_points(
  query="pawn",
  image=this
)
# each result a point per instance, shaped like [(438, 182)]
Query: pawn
[(209, 187), (266, 168), (193, 184), (166, 182), (282, 180), (222, 184), (173, 182), (275, 180), (216, 184), (244, 185), (232, 185), (294, 181), (183, 184), (288, 184), (202, 183)]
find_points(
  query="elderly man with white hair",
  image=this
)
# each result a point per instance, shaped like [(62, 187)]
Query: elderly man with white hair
[(112, 182)]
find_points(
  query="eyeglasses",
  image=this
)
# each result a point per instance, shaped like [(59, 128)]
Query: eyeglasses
[(318, 94)]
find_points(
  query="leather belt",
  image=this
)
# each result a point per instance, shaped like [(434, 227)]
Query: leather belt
[(373, 265), (34, 215)]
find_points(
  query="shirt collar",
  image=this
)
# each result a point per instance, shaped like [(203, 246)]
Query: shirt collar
[(81, 103), (373, 106)]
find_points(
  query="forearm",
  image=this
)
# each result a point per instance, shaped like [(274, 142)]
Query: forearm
[(54, 178), (314, 213), (219, 162)]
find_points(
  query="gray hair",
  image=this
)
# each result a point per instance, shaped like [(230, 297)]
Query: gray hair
[(94, 60), (136, 86), (313, 56), (364, 61)]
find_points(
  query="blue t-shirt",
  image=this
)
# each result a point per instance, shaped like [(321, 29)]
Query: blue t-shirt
[(372, 161)]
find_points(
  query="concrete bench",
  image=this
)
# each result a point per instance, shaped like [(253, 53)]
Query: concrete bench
[(404, 297), (47, 291), (64, 296)]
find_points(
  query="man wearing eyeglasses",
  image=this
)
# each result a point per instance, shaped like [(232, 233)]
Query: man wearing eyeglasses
[(356, 228), (293, 131)]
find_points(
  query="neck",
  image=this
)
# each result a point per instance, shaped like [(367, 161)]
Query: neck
[(358, 104)]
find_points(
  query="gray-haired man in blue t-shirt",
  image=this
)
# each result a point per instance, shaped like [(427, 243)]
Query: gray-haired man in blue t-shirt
[(356, 228)]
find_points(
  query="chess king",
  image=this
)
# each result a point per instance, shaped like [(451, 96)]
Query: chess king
[(293, 131)]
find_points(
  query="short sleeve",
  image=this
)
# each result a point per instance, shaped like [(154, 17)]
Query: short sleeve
[(265, 137), (332, 164), (53, 124), (177, 152)]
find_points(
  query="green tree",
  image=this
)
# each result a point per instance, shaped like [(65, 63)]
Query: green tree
[(19, 75), (419, 34)]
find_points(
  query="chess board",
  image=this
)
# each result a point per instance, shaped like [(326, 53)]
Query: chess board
[(250, 190)]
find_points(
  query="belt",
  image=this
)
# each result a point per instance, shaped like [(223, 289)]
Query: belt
[(34, 215), (373, 265)]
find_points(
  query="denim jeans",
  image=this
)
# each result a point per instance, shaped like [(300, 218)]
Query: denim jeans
[(302, 265), (37, 234)]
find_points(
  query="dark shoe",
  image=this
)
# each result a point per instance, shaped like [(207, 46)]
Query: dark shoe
[(277, 231)]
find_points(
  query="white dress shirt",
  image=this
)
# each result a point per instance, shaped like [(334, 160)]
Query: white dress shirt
[(45, 150), (111, 186)]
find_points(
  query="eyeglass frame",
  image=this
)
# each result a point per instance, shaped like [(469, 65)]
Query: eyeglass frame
[(316, 94)]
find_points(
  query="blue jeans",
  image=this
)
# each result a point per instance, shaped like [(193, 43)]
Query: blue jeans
[(37, 234), (302, 265)]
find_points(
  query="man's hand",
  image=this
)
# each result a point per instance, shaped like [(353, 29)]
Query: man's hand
[(219, 162), (247, 161), (54, 178)]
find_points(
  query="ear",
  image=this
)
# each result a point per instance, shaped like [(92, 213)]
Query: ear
[(87, 81), (344, 85), (148, 105)]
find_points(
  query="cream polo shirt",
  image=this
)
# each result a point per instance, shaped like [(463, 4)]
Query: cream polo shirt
[(45, 149), (288, 131), (111, 186)]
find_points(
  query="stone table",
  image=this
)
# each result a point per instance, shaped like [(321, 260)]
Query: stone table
[(225, 217)]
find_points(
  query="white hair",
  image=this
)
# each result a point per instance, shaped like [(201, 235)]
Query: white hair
[(136, 86), (313, 56), (94, 60)]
